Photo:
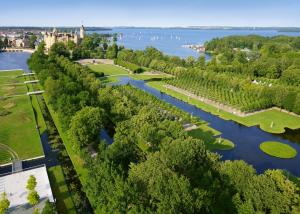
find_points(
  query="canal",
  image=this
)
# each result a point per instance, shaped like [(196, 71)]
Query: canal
[(246, 139)]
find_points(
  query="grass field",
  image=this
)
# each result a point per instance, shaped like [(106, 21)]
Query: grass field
[(111, 70), (209, 135), (280, 120), (279, 150), (18, 128), (64, 203), (108, 69)]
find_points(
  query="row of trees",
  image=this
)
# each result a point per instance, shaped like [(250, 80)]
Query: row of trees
[(237, 91), (152, 165), (246, 72)]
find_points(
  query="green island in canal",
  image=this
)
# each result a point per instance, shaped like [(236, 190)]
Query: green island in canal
[(277, 149)]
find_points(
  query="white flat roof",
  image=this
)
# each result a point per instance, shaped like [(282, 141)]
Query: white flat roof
[(15, 186)]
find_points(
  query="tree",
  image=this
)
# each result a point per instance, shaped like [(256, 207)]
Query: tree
[(31, 183), (49, 208), (4, 203), (36, 211), (85, 126), (6, 43), (112, 51), (201, 62), (32, 40), (33, 197), (1, 44), (59, 49)]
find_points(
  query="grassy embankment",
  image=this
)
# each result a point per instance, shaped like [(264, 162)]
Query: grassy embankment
[(64, 203), (204, 131), (280, 120), (17, 128), (279, 150)]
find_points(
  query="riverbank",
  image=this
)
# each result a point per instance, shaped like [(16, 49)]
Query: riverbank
[(272, 121)]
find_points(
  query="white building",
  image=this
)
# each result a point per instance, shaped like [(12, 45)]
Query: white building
[(14, 186)]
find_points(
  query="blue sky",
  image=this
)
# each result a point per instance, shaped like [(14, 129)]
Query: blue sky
[(164, 13)]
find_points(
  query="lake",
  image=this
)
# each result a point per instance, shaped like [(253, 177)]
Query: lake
[(14, 61), (170, 41)]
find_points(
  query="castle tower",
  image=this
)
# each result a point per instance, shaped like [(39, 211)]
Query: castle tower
[(81, 35)]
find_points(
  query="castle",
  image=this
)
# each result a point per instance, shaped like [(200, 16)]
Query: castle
[(51, 37)]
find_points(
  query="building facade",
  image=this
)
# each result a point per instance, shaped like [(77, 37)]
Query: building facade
[(52, 37)]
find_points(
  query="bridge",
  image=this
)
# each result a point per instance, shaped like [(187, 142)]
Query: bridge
[(27, 50), (35, 92)]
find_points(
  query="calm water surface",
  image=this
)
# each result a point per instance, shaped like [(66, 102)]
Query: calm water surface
[(246, 139), (14, 61), (170, 41)]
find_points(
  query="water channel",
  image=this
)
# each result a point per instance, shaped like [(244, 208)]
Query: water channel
[(246, 139)]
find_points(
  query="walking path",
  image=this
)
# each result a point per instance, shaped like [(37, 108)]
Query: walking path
[(223, 106)]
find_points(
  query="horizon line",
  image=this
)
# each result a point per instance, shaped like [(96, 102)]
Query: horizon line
[(128, 26)]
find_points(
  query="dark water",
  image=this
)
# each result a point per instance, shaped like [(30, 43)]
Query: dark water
[(246, 139), (170, 41), (14, 61)]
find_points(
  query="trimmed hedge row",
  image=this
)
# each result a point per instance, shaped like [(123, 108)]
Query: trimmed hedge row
[(133, 67)]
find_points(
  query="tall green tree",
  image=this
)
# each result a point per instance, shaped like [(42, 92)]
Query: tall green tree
[(31, 183), (33, 197), (4, 203), (85, 126)]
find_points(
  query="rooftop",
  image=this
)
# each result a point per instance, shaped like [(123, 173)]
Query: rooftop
[(15, 186)]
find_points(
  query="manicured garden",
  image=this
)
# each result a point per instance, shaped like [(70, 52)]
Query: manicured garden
[(113, 73), (277, 149), (272, 121), (18, 129)]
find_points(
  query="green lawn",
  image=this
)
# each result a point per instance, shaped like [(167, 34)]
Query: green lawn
[(279, 150), (64, 203), (18, 129), (111, 70), (36, 108), (108, 69), (264, 120), (4, 156), (207, 134)]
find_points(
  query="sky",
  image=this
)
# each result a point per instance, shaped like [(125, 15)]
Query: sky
[(151, 13)]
